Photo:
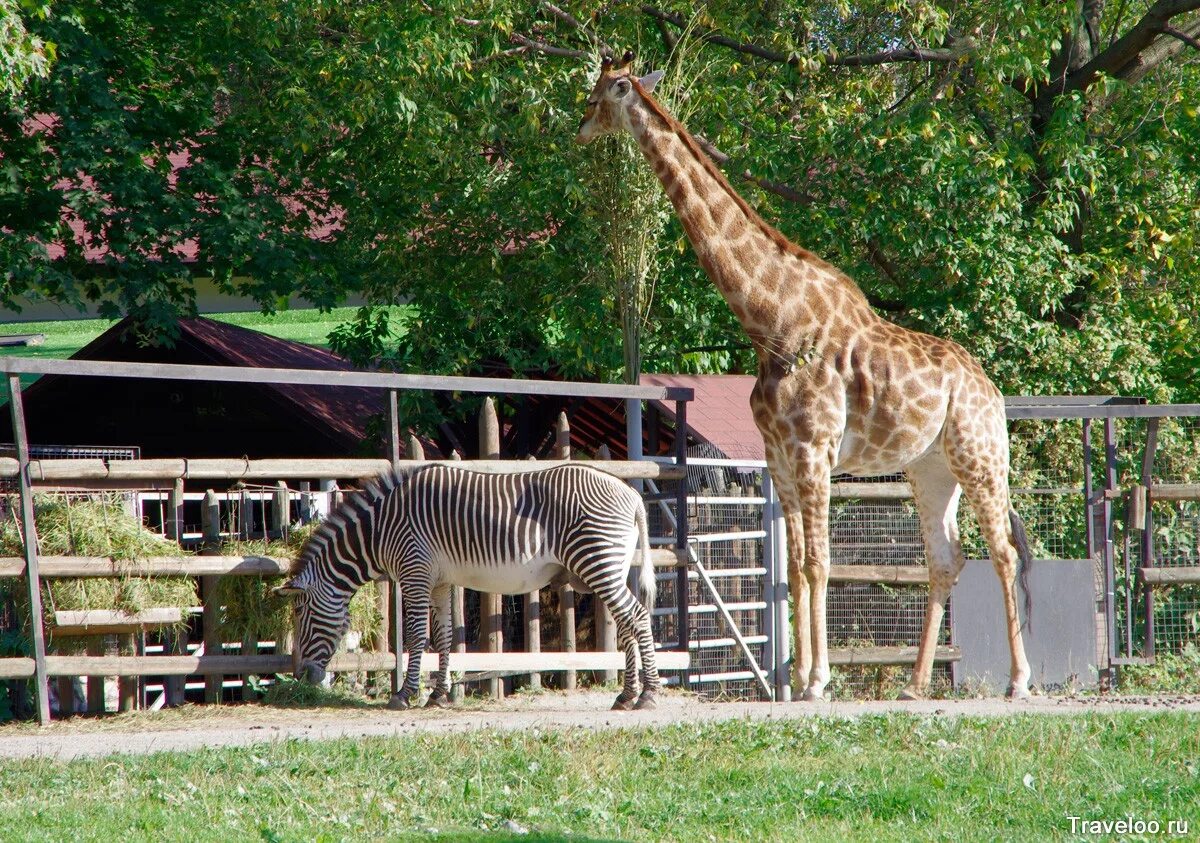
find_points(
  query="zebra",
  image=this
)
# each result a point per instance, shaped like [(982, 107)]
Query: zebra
[(438, 526)]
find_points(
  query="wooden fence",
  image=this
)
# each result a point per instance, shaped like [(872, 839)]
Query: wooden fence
[(171, 474)]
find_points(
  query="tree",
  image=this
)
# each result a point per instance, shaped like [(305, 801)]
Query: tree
[(1020, 176)]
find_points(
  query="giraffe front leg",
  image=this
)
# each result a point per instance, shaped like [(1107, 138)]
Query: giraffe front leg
[(814, 511), (416, 638), (440, 696)]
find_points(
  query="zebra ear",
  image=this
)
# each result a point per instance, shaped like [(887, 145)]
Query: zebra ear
[(288, 589)]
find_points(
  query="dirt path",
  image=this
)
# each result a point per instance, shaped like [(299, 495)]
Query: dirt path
[(195, 727)]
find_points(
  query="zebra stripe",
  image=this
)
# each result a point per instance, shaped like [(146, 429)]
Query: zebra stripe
[(437, 526)]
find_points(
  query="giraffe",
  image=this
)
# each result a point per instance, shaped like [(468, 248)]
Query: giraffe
[(839, 390)]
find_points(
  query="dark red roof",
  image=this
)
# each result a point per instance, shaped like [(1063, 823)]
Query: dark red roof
[(720, 414)]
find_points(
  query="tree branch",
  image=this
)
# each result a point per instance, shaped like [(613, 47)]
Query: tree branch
[(569, 19), (908, 54), (786, 191), (548, 49), (1191, 41), (1123, 59)]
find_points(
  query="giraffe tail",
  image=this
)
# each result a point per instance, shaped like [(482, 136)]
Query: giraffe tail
[(1020, 541), (647, 581)]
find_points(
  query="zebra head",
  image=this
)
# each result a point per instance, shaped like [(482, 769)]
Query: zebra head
[(322, 617)]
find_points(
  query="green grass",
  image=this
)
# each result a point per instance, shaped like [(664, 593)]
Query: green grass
[(895, 777), (65, 337)]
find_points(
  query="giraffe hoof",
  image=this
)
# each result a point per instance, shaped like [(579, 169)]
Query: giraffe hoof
[(1017, 692), (438, 701), (623, 703), (646, 702), (812, 695), (398, 702), (909, 695)]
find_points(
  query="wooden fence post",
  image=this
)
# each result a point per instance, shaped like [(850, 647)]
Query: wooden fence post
[(606, 627), (210, 521), (28, 523), (566, 597), (533, 626), (491, 605), (175, 640), (95, 684)]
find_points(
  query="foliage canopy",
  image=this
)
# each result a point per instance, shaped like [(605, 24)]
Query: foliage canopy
[(1021, 177)]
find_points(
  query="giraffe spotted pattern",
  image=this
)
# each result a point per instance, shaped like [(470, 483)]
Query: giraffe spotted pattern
[(839, 389)]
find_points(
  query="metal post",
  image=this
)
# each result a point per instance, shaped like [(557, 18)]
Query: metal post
[(1110, 572), (681, 536), (1088, 520), (1148, 532), (29, 527), (770, 654), (783, 632)]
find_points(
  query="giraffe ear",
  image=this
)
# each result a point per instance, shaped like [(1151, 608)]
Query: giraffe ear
[(622, 87), (650, 80)]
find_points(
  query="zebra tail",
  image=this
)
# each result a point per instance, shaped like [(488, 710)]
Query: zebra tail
[(1021, 542), (649, 584)]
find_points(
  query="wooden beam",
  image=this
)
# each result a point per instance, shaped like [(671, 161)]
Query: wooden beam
[(111, 621), (172, 566), (1175, 492), (342, 663), (327, 377), (882, 574), (1170, 576), (847, 656), (95, 472)]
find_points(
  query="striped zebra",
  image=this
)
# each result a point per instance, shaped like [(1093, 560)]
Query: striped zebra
[(438, 526)]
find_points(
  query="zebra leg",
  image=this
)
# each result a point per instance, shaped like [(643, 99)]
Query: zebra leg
[(629, 692), (440, 696), (604, 574), (416, 638), (644, 634)]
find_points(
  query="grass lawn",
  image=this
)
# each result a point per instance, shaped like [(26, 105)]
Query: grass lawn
[(893, 777), (65, 337)]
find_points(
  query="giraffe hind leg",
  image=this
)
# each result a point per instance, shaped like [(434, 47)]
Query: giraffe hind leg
[(937, 494)]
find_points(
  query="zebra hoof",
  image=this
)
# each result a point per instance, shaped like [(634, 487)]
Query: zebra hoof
[(646, 702), (623, 703), (438, 701), (398, 702)]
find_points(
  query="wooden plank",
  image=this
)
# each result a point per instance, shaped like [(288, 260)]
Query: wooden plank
[(176, 566), (1170, 576), (870, 491), (1175, 492), (667, 557), (327, 377), (111, 621), (124, 472), (544, 662), (882, 574), (887, 655)]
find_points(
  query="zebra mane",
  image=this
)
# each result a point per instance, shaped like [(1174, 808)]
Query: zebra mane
[(327, 531)]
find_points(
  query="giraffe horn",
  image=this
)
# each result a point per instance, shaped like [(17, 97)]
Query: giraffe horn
[(626, 59), (607, 62)]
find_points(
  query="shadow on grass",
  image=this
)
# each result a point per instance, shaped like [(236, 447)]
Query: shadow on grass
[(292, 693)]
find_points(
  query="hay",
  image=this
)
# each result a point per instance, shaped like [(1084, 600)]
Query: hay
[(96, 525), (252, 612)]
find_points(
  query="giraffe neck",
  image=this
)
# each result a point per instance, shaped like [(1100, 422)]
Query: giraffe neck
[(784, 297)]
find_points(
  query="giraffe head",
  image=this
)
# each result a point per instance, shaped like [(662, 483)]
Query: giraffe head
[(615, 94)]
